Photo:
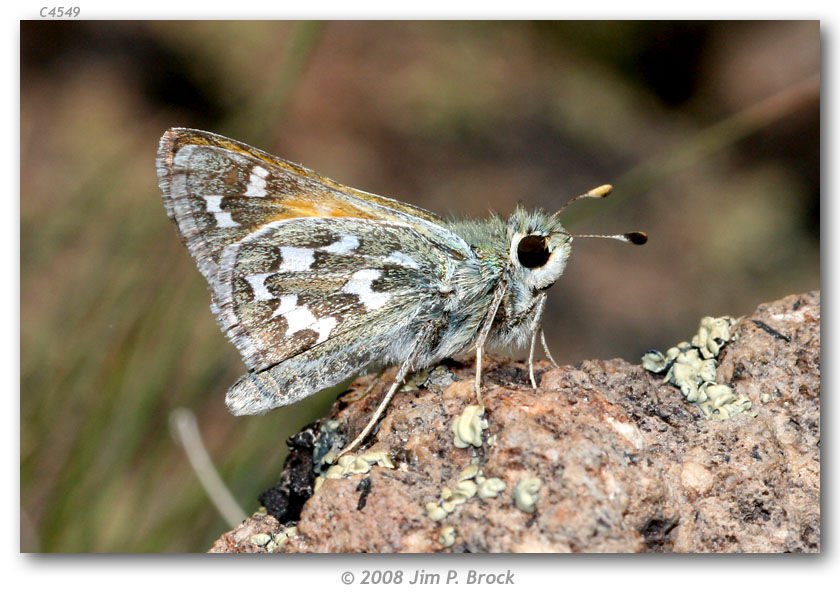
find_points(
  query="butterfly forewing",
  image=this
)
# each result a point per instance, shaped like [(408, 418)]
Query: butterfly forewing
[(218, 191)]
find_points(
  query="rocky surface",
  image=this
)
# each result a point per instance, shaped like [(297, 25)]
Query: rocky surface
[(623, 463)]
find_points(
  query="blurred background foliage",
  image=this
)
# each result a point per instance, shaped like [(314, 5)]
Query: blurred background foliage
[(709, 130)]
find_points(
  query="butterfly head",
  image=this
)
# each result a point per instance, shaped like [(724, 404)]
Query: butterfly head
[(539, 248)]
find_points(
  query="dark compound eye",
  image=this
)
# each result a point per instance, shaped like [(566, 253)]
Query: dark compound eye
[(532, 251)]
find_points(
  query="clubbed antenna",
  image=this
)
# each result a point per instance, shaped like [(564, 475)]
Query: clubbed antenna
[(633, 237), (599, 192)]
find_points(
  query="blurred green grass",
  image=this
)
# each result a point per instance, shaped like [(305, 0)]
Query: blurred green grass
[(116, 330), (109, 351)]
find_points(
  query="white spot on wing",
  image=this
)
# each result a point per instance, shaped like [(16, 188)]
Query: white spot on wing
[(296, 259), (287, 303), (223, 219), (345, 245), (256, 184), (398, 258), (214, 207), (359, 284), (214, 203), (300, 318), (257, 283)]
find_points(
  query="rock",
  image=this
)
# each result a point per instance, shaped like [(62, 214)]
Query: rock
[(609, 457), (246, 537)]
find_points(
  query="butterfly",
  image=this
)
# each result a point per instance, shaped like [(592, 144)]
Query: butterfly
[(315, 282)]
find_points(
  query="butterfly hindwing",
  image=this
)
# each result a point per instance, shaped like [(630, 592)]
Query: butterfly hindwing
[(321, 366), (296, 283)]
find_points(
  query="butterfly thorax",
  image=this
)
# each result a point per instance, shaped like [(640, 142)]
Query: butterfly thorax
[(526, 255)]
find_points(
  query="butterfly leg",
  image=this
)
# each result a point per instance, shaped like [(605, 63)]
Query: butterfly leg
[(398, 381), (547, 351), (368, 389), (380, 409), (478, 352), (482, 338), (535, 329)]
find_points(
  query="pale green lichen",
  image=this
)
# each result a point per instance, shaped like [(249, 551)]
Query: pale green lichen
[(718, 395), (435, 512), (447, 536), (654, 361), (280, 538), (707, 370), (490, 488), (454, 499), (689, 371), (466, 488), (470, 483), (350, 464), (525, 494), (260, 539), (449, 505), (692, 368), (467, 427), (469, 472), (712, 335), (720, 402), (379, 458), (414, 381)]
